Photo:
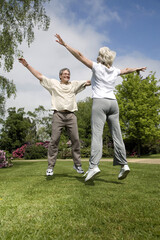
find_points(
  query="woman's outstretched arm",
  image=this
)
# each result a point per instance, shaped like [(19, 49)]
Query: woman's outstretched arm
[(74, 52), (130, 70)]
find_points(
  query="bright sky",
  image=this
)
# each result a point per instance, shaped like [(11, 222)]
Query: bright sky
[(131, 28)]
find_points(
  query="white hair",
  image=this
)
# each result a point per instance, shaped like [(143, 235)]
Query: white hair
[(106, 56)]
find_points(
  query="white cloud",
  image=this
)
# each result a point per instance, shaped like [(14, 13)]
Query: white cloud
[(93, 12), (99, 13), (144, 10)]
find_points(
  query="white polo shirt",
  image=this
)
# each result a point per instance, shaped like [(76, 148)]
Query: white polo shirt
[(63, 96), (103, 81)]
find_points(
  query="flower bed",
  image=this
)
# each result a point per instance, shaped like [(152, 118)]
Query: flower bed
[(4, 162), (20, 152)]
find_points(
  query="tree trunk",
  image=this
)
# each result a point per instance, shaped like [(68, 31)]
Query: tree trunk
[(139, 147)]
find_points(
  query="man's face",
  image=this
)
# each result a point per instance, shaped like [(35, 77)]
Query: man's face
[(65, 77)]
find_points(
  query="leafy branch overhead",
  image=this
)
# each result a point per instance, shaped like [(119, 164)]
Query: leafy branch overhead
[(7, 88), (17, 21)]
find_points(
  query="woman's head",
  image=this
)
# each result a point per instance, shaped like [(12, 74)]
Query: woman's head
[(106, 56)]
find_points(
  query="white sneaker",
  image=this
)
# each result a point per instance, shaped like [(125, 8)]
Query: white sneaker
[(49, 172), (92, 172), (123, 172)]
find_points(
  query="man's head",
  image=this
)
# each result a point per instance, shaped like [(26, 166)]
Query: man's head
[(64, 75), (106, 56)]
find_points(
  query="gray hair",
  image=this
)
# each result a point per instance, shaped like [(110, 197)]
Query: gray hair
[(62, 70), (106, 56)]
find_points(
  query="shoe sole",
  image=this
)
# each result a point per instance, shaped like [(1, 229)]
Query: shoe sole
[(92, 177), (124, 175), (49, 175)]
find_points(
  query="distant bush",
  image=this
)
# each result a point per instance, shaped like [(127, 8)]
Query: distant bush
[(85, 152), (108, 152), (5, 161), (19, 152), (35, 152)]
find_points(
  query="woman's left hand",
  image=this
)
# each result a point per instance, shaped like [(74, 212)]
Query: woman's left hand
[(60, 40)]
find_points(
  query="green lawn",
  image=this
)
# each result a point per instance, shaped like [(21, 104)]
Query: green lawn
[(63, 207), (151, 156)]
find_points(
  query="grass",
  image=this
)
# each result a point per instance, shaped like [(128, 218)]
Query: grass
[(157, 155), (63, 207)]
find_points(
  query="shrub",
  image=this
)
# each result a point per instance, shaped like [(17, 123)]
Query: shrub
[(108, 152), (44, 144), (19, 152), (4, 160), (35, 152), (85, 152), (64, 153)]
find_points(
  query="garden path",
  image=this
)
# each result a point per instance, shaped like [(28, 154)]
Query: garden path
[(132, 160)]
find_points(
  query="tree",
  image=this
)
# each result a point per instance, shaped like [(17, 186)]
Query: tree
[(16, 130), (84, 121), (43, 121), (7, 88), (17, 21), (139, 104)]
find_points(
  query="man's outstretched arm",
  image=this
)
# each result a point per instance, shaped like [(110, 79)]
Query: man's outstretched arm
[(31, 69), (88, 82)]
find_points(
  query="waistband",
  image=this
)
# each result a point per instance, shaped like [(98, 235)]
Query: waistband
[(63, 111)]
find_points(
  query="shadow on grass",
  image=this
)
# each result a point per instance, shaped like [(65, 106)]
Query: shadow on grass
[(106, 181), (97, 179), (92, 182), (81, 179), (48, 178)]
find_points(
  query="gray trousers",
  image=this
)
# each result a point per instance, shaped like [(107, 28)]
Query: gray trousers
[(59, 121), (106, 110)]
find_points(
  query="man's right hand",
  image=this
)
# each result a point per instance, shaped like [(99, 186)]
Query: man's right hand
[(23, 61)]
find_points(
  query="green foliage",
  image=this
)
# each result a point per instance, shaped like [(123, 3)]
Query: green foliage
[(84, 121), (64, 149), (16, 130), (17, 22), (85, 152), (7, 89), (139, 104), (43, 121), (35, 152)]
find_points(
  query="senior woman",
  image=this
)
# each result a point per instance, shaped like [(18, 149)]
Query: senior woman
[(104, 107)]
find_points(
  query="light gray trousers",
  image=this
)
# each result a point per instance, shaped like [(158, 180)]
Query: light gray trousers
[(62, 120), (106, 110)]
